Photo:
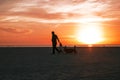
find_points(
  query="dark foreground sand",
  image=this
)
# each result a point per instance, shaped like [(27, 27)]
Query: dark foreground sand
[(34, 63)]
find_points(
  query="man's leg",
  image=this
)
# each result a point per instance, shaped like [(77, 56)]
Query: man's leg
[(57, 49), (53, 49)]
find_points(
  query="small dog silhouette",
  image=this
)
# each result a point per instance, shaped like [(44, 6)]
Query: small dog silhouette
[(70, 50), (67, 50)]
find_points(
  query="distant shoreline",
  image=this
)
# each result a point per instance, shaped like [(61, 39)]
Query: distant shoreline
[(82, 45)]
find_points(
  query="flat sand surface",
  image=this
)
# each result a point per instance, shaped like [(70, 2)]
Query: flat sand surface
[(37, 63)]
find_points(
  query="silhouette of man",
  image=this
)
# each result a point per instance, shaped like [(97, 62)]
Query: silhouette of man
[(54, 42)]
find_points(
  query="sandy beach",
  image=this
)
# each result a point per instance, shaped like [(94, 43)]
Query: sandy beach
[(37, 63)]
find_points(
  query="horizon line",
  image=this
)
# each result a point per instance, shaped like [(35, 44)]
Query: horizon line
[(82, 45)]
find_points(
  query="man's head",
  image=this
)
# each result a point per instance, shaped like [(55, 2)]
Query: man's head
[(53, 32)]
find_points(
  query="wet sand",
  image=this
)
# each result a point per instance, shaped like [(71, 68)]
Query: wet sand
[(37, 63)]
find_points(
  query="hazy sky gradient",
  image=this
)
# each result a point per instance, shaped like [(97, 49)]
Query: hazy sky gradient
[(30, 22)]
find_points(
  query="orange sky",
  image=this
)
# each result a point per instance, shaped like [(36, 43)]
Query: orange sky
[(30, 22)]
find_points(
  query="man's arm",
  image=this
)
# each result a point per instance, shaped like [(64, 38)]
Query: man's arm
[(58, 39)]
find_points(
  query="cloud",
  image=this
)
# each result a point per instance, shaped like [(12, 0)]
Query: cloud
[(42, 20), (51, 11), (60, 6), (113, 9), (15, 30), (79, 8), (5, 5)]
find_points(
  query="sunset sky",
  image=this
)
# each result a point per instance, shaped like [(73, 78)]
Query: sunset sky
[(76, 22)]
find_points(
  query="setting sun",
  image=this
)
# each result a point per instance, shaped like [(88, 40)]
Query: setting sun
[(90, 34)]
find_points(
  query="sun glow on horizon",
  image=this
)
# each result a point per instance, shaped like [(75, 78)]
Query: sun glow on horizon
[(90, 34)]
